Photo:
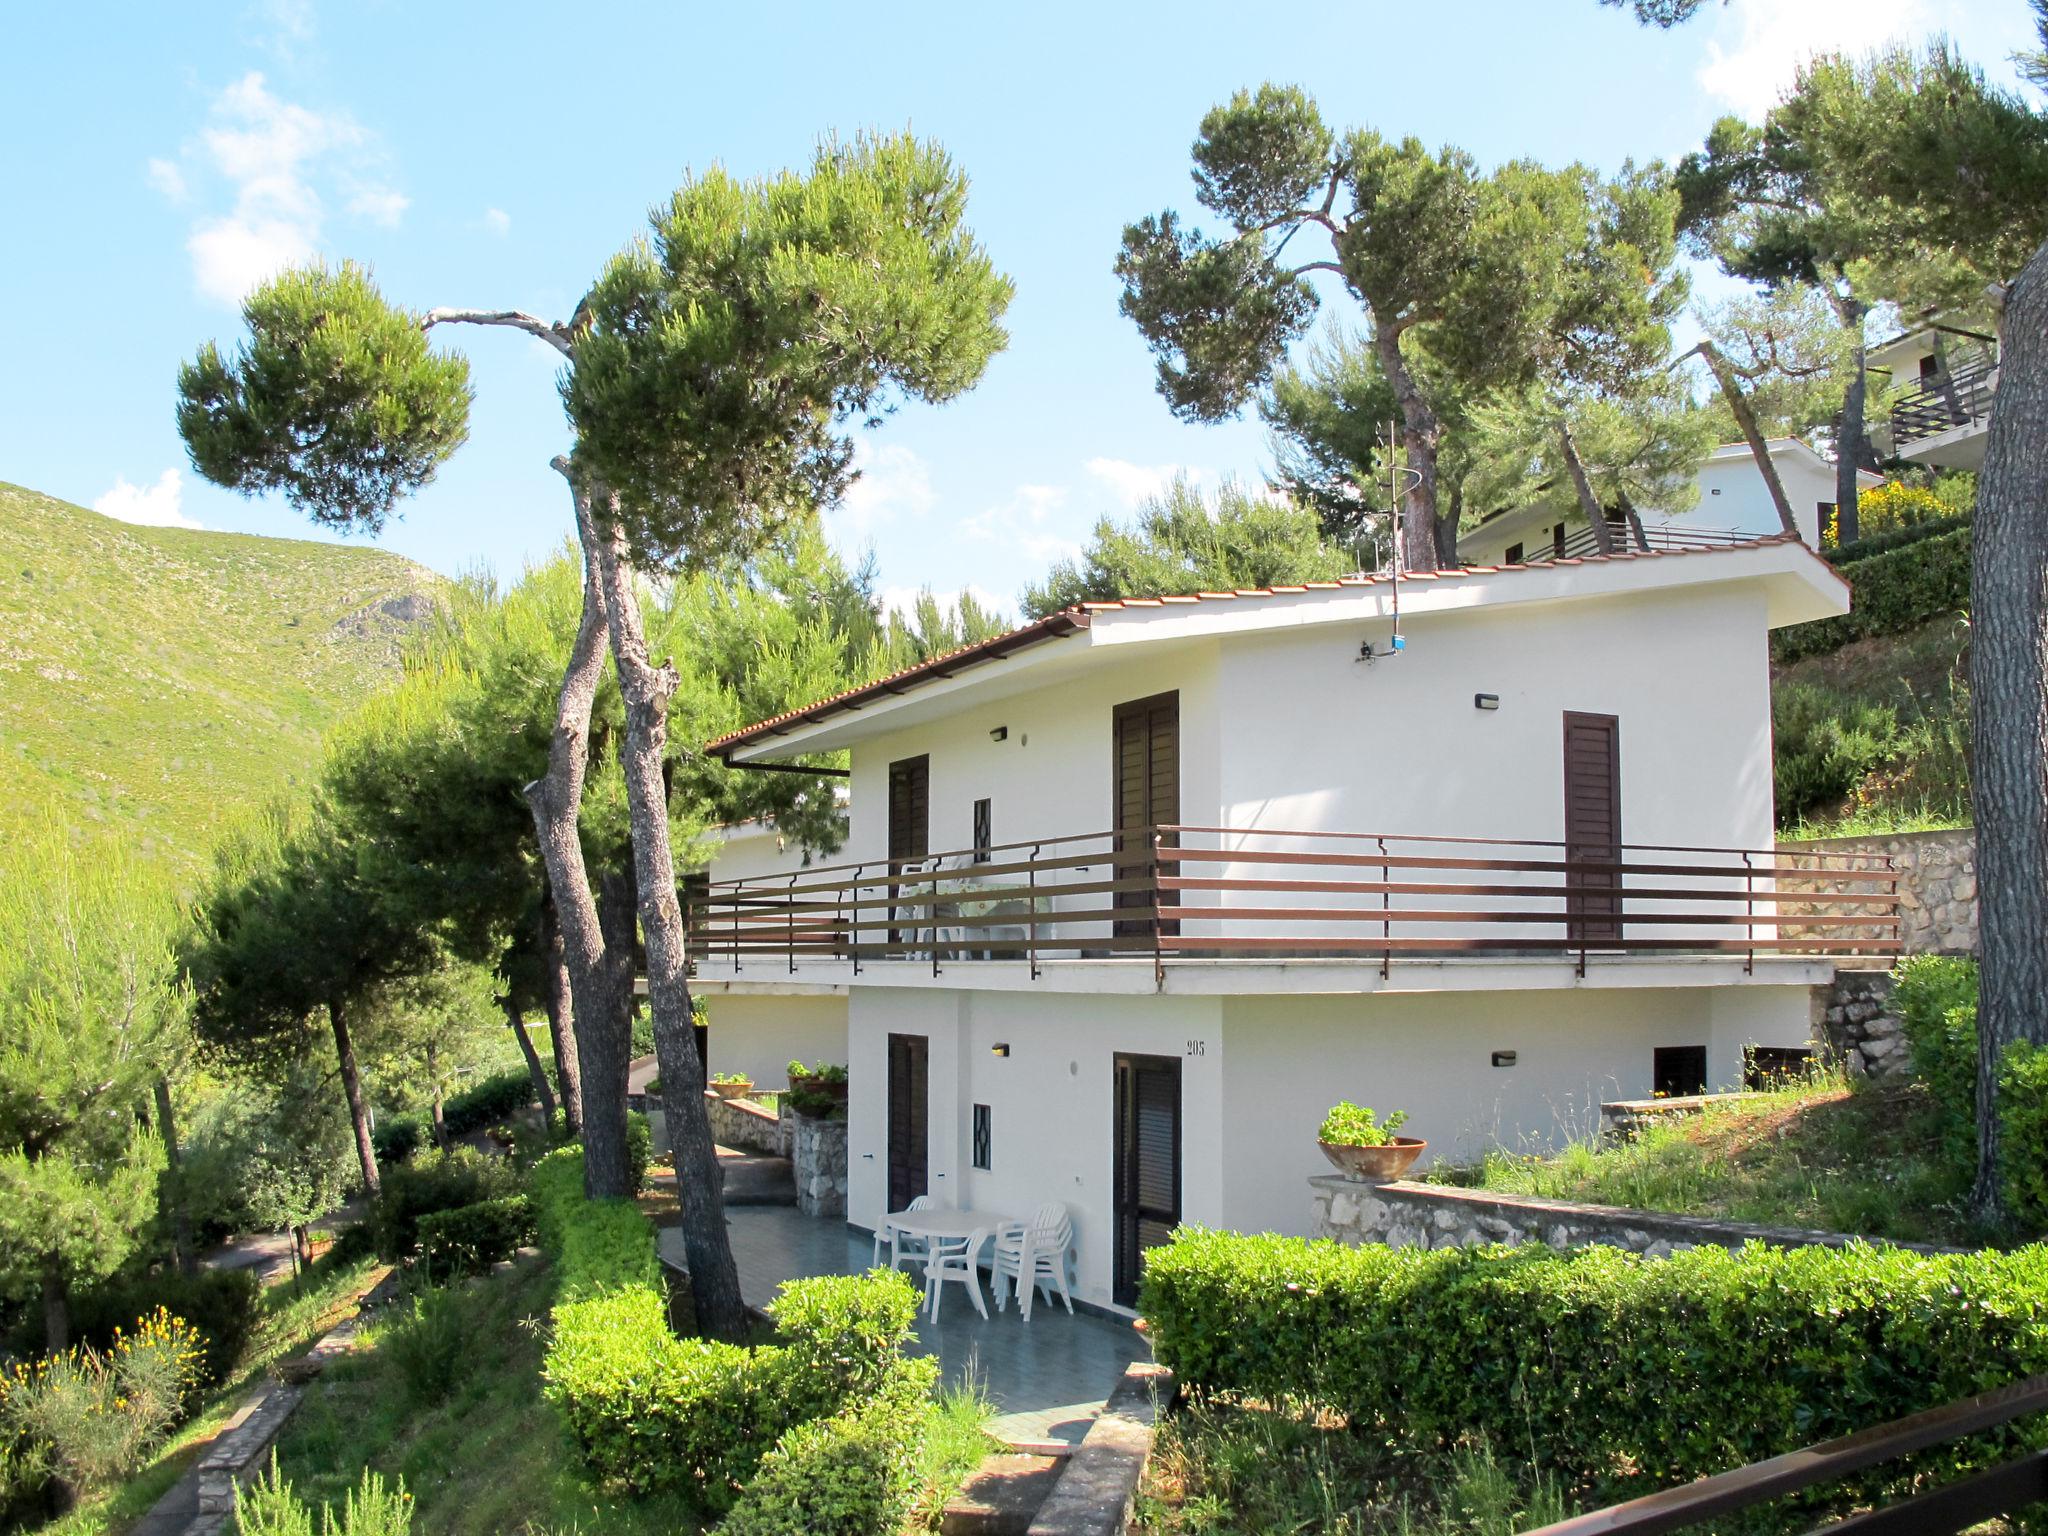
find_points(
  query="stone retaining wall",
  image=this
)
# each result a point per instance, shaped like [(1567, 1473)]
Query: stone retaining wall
[(745, 1125), (1409, 1215), (1937, 884), (1861, 1028), (819, 1160)]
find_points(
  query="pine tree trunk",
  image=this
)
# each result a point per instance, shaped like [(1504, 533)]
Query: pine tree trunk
[(1596, 515), (2009, 712), (1745, 418), (555, 799), (56, 1306), (1635, 519), (1421, 433), (1447, 557), (604, 1042), (1852, 444), (352, 1086), (714, 1279), (541, 1090), (170, 1189), (561, 1018)]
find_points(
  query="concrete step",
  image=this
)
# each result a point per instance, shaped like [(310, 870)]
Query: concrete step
[(752, 1178), (1003, 1496)]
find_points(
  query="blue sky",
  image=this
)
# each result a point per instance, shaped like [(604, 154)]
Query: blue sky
[(158, 159)]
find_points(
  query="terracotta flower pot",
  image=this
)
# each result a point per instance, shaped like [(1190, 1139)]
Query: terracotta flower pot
[(1376, 1164), (738, 1090)]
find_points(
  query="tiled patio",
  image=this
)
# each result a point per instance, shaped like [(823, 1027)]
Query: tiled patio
[(1047, 1378)]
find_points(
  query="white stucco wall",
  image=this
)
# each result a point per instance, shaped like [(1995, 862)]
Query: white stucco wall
[(761, 1035), (1734, 499), (1257, 1076)]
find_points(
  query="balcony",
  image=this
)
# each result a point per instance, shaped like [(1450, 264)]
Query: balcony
[(1173, 896), (1656, 536), (1943, 404)]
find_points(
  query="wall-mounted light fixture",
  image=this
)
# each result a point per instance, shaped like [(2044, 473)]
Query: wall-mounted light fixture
[(1000, 1048), (1000, 733), (1486, 701), (1503, 1058)]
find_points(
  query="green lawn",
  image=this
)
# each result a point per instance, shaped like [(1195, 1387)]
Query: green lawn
[(163, 680), (1865, 1160)]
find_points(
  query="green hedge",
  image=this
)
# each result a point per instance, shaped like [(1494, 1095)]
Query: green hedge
[(431, 1182), (1617, 1373), (471, 1238), (648, 1410), (488, 1101), (1894, 591), (1895, 538)]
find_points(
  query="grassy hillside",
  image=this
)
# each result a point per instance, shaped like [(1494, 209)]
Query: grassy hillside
[(163, 679)]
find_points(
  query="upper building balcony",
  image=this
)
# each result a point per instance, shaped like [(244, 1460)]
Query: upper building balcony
[(1944, 377)]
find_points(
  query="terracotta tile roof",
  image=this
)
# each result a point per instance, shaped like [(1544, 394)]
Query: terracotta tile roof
[(1068, 620)]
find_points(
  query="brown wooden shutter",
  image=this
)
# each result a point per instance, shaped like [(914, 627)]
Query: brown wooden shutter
[(909, 1119), (1148, 1158), (1592, 826), (1147, 753), (910, 808)]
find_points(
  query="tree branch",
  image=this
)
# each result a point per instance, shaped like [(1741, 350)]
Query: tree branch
[(1315, 266), (556, 336)]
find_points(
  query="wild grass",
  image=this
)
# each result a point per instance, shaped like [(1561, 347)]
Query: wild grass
[(1822, 1154), (958, 1442), (159, 680), (1244, 1467)]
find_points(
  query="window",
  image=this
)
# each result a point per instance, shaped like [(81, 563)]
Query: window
[(981, 1138), (1825, 519), (1930, 366), (1772, 1066), (1557, 541), (1679, 1071), (984, 833), (1514, 554)]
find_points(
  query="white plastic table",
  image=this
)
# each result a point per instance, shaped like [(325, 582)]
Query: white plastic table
[(948, 1224)]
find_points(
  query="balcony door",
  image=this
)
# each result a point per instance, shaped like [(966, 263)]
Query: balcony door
[(1147, 769), (909, 1119), (1592, 827), (910, 833), (1147, 1173)]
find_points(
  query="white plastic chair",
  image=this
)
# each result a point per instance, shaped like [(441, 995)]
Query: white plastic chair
[(901, 1244), (952, 1258), (1034, 1255)]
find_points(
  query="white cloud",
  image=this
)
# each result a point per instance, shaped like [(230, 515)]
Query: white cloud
[(156, 506), (167, 178), (1757, 46), (380, 205), (1028, 524), (498, 222), (1134, 483), (893, 481), (274, 154)]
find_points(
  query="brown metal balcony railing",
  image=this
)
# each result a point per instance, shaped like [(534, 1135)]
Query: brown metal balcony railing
[(1944, 402), (1172, 894), (1656, 536)]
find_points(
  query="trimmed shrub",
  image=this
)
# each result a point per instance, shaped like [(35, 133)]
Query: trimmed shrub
[(471, 1238), (1893, 591), (220, 1305), (1937, 1001), (850, 1475), (435, 1181), (397, 1137), (488, 1101), (639, 1149), (1883, 542), (597, 1245), (1615, 1372)]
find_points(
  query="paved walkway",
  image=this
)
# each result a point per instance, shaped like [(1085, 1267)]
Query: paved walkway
[(1047, 1378)]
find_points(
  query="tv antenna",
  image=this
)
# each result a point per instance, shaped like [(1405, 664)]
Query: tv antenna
[(1400, 480)]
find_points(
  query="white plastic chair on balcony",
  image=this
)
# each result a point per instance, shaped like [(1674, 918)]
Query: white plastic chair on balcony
[(901, 1244), (953, 1258), (1035, 1256)]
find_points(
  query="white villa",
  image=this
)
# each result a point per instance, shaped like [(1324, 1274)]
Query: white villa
[(1733, 505), (1944, 372), (1131, 895)]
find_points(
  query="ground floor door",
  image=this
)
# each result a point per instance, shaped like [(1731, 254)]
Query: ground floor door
[(909, 1118), (1147, 1175)]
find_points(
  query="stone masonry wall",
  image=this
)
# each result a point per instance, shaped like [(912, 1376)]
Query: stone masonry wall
[(1861, 1028), (819, 1159), (746, 1126), (1937, 884), (1408, 1215)]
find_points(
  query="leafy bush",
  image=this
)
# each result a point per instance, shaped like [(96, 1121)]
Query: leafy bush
[(397, 1137), (1894, 591), (1614, 1372), (849, 1475), (488, 1101), (639, 1149), (1348, 1125), (817, 1092), (352, 1244), (643, 1032), (1823, 745), (429, 1348), (89, 1418), (435, 1181), (650, 1411), (2023, 1131), (268, 1507), (471, 1238), (1936, 996), (727, 1078), (220, 1305)]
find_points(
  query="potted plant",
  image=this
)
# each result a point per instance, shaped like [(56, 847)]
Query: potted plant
[(731, 1085), (818, 1093), (1362, 1146)]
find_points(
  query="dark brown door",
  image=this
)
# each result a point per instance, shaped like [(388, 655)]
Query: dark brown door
[(909, 1118), (1147, 1163), (910, 831), (1592, 827), (1147, 795)]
